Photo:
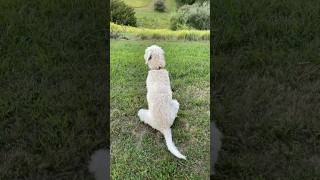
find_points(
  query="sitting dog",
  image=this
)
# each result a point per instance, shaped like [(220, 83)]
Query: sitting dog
[(162, 108)]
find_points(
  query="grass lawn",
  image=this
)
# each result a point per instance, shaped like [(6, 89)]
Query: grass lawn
[(148, 18), (138, 151), (266, 96), (53, 88)]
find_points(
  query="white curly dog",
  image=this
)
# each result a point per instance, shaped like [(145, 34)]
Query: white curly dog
[(162, 108)]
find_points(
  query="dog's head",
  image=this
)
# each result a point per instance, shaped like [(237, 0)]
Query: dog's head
[(154, 57)]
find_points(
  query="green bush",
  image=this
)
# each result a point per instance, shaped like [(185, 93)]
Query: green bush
[(159, 5), (184, 2), (195, 16), (122, 13), (177, 21), (189, 2)]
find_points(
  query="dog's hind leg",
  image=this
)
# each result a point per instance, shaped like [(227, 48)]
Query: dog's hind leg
[(174, 110), (144, 115)]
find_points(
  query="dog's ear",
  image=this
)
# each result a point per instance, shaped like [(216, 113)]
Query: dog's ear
[(147, 56)]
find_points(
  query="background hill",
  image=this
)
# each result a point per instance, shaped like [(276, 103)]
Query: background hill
[(147, 17)]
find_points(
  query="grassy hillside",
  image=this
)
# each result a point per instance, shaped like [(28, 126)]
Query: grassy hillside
[(53, 88), (128, 32), (138, 151), (138, 3), (267, 88), (147, 17)]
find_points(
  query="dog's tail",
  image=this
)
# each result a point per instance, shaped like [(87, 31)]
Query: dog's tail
[(172, 148)]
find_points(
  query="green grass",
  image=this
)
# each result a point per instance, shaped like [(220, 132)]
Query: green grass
[(53, 88), (138, 3), (138, 151), (267, 88), (148, 18), (155, 20)]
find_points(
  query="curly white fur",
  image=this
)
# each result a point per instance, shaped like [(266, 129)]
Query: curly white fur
[(162, 108)]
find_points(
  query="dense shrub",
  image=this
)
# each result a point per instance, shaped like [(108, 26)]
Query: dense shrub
[(192, 16), (159, 5), (114, 35), (189, 2), (122, 13), (183, 2), (177, 21)]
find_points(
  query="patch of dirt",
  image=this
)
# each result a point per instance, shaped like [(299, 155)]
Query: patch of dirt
[(184, 125), (199, 92), (138, 133)]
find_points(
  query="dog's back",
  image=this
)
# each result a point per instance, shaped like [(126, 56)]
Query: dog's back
[(159, 96)]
